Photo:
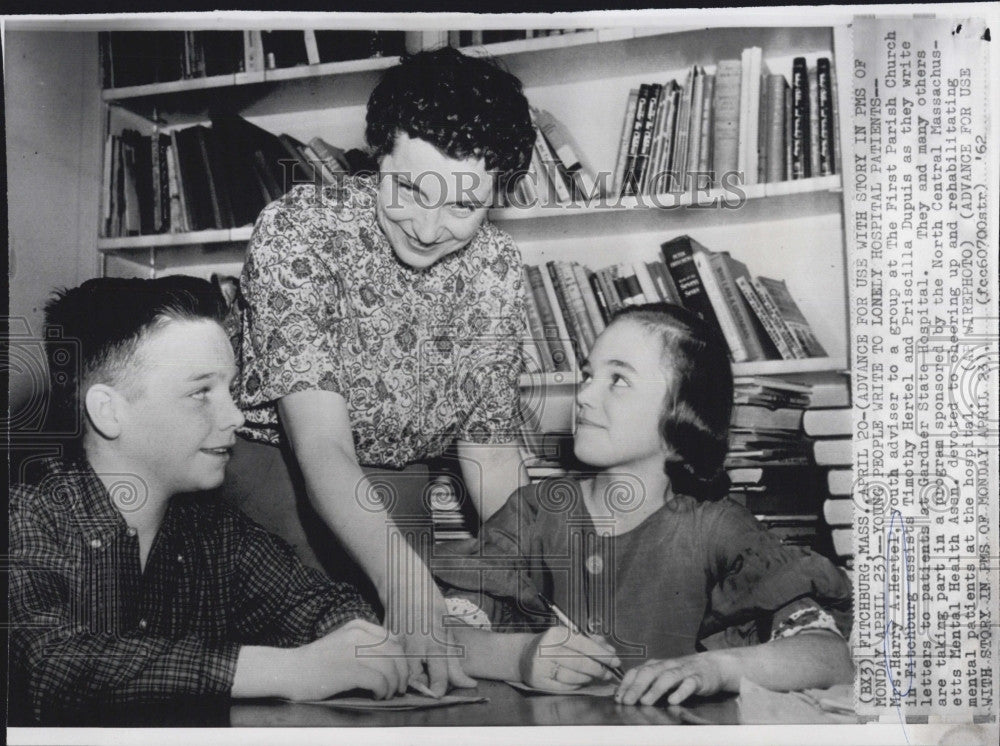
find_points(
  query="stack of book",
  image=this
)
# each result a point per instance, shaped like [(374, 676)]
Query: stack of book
[(569, 305), (832, 428), (202, 178), (741, 119)]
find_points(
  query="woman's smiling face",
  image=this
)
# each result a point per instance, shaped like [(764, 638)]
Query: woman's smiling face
[(429, 204)]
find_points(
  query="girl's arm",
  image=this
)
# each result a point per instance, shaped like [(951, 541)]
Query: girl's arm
[(810, 659)]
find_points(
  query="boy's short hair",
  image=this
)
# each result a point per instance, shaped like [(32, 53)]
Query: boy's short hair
[(466, 107), (107, 319)]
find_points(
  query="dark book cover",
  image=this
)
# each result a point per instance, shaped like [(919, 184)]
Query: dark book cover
[(629, 184), (801, 166), (194, 179), (827, 162), (678, 256), (249, 160)]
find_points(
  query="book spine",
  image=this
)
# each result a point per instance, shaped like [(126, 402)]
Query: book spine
[(561, 142), (704, 167), (726, 268), (574, 301), (678, 256), (788, 132), (749, 111), (623, 141), (646, 144), (606, 278), (682, 131), (768, 322), (602, 301), (813, 122), (651, 169), (580, 274), (627, 285), (554, 332), (550, 165), (694, 128), (762, 132), (646, 282), (775, 128), (801, 168), (213, 192), (837, 165), (723, 313), (253, 51), (826, 121), (772, 308), (629, 185), (725, 138), (661, 180), (535, 328), (560, 304), (154, 152), (664, 282)]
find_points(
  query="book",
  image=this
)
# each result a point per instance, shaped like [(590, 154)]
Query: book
[(831, 392), (840, 481), (843, 541), (301, 170), (724, 313), (776, 296), (647, 185), (664, 282), (678, 255), (628, 286), (726, 106), (772, 325), (813, 122), (755, 338), (833, 452), (600, 296), (694, 128), (789, 114), (580, 274), (560, 312), (253, 51), (192, 173), (624, 140), (646, 143), (629, 184), (552, 168), (649, 290), (838, 512), (569, 154), (250, 159), (565, 284), (784, 418), (222, 215), (835, 123), (750, 71), (178, 223), (704, 166), (678, 162), (827, 125), (801, 164), (661, 179), (553, 331), (774, 126), (606, 278), (821, 423)]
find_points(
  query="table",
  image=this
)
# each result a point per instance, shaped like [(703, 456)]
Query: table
[(506, 706)]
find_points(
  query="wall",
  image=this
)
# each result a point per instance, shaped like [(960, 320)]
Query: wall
[(53, 112)]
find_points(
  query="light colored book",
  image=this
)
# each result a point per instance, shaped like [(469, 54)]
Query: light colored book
[(833, 452)]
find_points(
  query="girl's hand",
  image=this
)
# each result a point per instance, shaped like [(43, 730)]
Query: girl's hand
[(702, 673), (559, 661)]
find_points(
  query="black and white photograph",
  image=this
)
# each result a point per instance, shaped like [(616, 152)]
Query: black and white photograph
[(595, 377)]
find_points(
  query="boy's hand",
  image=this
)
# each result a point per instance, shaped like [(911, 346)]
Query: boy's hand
[(559, 661), (701, 673), (354, 656)]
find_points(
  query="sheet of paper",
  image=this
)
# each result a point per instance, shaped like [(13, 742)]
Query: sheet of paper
[(408, 701)]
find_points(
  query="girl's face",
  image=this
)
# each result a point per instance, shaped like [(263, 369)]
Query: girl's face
[(429, 204), (619, 401)]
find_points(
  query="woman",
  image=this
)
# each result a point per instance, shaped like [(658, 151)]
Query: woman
[(380, 321)]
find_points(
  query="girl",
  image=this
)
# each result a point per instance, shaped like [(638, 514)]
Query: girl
[(683, 587)]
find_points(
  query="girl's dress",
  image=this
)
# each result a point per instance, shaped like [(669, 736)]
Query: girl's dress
[(692, 576)]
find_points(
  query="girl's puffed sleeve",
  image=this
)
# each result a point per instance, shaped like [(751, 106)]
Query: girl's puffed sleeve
[(763, 589), (489, 581)]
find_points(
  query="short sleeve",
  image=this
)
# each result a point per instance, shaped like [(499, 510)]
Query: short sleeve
[(293, 319), (490, 374), (763, 589)]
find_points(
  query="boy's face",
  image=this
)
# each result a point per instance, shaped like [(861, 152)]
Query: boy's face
[(179, 420)]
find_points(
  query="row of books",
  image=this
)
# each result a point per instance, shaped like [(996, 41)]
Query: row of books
[(741, 119), (568, 305), (476, 37), (142, 57), (201, 178)]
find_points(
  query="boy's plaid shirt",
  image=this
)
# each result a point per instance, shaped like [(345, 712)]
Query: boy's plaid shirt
[(88, 626)]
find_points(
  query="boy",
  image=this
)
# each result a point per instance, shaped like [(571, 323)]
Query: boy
[(123, 587)]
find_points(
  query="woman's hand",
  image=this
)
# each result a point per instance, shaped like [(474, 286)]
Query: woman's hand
[(426, 641), (559, 661), (701, 673)]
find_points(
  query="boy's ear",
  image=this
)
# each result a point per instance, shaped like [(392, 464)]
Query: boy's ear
[(102, 404)]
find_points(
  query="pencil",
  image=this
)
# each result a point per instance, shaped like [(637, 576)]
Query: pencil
[(572, 627)]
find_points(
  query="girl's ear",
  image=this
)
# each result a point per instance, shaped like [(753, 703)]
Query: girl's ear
[(103, 407)]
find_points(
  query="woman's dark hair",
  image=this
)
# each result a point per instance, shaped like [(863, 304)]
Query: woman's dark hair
[(94, 332), (466, 107), (698, 408)]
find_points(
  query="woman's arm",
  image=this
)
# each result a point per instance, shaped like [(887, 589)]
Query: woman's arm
[(319, 432), (810, 659), (492, 473)]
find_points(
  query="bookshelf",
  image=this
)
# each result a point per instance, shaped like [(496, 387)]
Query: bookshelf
[(792, 230)]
